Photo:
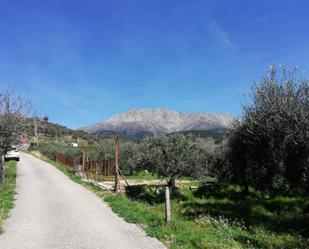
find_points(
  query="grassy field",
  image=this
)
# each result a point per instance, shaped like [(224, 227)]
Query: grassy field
[(222, 220), (142, 175), (213, 217), (7, 191)]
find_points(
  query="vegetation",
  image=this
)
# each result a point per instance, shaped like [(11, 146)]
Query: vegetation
[(100, 151), (222, 220), (13, 109), (7, 191), (169, 156), (156, 155), (48, 131), (269, 146), (217, 134), (124, 135)]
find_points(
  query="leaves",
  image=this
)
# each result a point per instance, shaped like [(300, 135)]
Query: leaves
[(269, 147)]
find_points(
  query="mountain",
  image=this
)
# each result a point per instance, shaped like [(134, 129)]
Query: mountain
[(139, 123)]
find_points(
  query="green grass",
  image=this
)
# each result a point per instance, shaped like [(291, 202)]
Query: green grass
[(143, 175), (224, 219), (7, 191), (139, 176), (189, 184), (217, 217)]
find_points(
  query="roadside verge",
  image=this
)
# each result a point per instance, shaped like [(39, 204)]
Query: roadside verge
[(7, 192)]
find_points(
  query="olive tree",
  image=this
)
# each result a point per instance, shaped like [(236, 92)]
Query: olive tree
[(220, 166), (131, 157), (269, 145), (172, 155)]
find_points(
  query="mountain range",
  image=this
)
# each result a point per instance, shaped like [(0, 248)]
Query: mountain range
[(139, 123)]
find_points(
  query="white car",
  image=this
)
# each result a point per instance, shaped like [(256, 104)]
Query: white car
[(13, 154)]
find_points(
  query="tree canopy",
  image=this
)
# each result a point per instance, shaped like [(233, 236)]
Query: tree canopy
[(173, 155), (269, 146)]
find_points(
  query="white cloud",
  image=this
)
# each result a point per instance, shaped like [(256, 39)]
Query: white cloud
[(220, 36)]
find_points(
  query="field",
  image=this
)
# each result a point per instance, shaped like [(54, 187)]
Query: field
[(222, 219)]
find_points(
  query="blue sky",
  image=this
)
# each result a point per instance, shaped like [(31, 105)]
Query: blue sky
[(82, 61)]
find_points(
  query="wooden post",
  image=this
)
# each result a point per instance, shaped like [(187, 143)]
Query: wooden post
[(167, 205), (108, 168), (95, 171), (36, 134), (117, 180), (104, 168), (83, 166), (87, 166), (91, 169)]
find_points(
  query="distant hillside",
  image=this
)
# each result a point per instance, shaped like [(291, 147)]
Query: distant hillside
[(217, 134), (139, 123), (50, 130), (124, 135)]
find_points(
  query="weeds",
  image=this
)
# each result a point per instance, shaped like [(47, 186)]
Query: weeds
[(7, 191)]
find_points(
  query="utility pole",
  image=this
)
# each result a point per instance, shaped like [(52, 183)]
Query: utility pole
[(83, 166), (117, 180), (36, 133)]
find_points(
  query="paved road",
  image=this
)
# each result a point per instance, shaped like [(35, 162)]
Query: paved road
[(53, 212)]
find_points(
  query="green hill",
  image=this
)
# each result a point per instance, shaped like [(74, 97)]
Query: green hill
[(48, 130), (217, 134)]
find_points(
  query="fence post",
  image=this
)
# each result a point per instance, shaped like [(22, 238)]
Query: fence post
[(167, 205), (117, 180)]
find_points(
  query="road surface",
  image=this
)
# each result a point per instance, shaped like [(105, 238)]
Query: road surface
[(53, 212)]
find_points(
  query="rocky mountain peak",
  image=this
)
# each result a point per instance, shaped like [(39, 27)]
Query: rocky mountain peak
[(159, 121)]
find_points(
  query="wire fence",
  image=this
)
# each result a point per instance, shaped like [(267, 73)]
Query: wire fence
[(86, 166)]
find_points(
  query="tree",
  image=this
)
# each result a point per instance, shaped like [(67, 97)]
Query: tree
[(131, 157), (220, 165), (13, 109), (45, 119), (172, 155), (269, 146)]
